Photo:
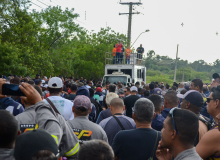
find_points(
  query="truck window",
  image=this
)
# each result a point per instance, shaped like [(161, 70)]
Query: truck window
[(110, 71), (115, 79), (127, 71)]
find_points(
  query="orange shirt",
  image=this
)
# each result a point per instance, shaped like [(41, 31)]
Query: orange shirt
[(114, 50), (128, 53)]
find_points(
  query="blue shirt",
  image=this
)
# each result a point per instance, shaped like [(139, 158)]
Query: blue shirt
[(104, 114), (157, 122), (165, 112), (10, 105), (111, 126)]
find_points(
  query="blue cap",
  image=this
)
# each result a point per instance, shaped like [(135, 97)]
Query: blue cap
[(194, 97), (157, 91)]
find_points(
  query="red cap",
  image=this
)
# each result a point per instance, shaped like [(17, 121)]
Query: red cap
[(98, 89)]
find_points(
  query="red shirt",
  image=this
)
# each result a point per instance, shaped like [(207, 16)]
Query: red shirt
[(118, 47)]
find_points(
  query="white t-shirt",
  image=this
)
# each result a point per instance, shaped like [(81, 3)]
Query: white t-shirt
[(64, 106)]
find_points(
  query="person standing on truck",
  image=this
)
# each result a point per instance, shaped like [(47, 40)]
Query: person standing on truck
[(114, 51), (128, 55), (118, 47), (122, 55), (140, 51)]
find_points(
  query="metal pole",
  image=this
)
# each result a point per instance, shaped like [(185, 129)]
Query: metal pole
[(129, 23), (176, 63)]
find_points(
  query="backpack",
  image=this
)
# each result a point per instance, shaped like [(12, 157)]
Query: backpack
[(98, 108), (207, 122)]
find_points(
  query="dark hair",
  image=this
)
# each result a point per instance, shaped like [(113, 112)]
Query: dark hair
[(9, 129), (139, 90), (68, 85), (171, 97), (112, 88), (91, 92), (15, 80), (183, 91), (187, 125), (167, 86), (95, 149), (73, 87), (216, 92), (146, 93), (175, 84), (54, 90), (144, 110), (137, 83), (31, 82), (151, 86), (128, 88), (173, 87), (205, 89), (44, 155), (198, 82), (157, 101), (81, 111), (119, 86), (38, 90)]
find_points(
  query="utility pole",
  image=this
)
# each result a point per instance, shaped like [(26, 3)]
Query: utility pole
[(176, 63), (130, 16), (183, 71)]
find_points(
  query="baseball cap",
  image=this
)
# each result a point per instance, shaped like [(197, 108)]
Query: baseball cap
[(29, 143), (98, 89), (157, 91), (194, 97), (82, 101), (134, 89), (55, 82)]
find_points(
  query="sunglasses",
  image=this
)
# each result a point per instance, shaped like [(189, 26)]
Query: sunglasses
[(209, 99), (171, 113)]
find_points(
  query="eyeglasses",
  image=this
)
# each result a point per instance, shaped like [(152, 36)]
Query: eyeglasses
[(209, 99), (125, 91), (171, 112)]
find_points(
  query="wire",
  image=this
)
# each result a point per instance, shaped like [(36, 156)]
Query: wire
[(43, 3), (36, 5)]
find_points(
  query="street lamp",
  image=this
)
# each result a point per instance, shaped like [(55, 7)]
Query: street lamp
[(139, 36)]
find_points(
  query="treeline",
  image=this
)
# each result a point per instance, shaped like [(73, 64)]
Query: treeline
[(161, 68), (49, 42)]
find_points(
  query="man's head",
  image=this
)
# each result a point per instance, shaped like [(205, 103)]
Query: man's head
[(142, 91), (170, 99), (83, 91), (180, 128), (127, 91), (107, 86), (181, 85), (192, 100), (140, 45), (109, 98), (55, 85), (9, 129), (216, 80), (95, 150), (158, 103), (36, 144), (121, 93), (197, 85), (142, 83), (117, 106), (213, 107), (81, 78), (137, 84), (112, 88), (15, 80), (205, 88), (82, 106), (151, 86), (90, 83), (91, 92), (146, 93), (143, 111), (133, 90), (73, 88)]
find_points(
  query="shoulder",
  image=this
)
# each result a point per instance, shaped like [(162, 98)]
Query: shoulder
[(105, 121)]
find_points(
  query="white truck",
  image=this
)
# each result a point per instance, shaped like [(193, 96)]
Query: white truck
[(125, 73)]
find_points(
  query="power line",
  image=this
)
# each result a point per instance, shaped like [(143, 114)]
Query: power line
[(43, 3)]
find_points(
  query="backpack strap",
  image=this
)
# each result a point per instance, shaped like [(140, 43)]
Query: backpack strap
[(155, 145), (122, 127), (52, 105)]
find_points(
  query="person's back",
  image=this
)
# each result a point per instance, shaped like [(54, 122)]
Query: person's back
[(83, 128), (129, 101), (72, 95), (140, 143), (8, 132)]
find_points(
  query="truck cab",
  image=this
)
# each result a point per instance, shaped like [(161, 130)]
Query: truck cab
[(126, 73)]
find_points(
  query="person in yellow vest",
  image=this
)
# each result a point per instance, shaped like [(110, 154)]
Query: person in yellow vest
[(114, 51), (128, 55)]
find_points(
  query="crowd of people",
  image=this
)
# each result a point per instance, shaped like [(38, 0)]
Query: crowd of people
[(67, 118), (118, 54)]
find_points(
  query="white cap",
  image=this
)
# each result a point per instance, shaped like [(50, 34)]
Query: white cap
[(55, 82), (45, 86), (133, 88), (43, 81)]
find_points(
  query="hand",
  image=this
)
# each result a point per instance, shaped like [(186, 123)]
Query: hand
[(2, 81), (32, 95), (163, 153)]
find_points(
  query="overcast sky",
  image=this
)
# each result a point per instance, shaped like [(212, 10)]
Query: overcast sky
[(197, 39)]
